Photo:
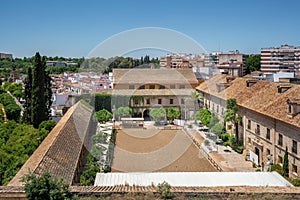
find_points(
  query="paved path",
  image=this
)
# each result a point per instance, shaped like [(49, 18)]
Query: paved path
[(16, 100), (227, 159)]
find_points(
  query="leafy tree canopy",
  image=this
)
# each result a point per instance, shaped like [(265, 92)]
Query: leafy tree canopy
[(103, 116), (45, 188), (158, 114), (217, 128), (204, 115), (172, 113), (124, 111), (252, 63)]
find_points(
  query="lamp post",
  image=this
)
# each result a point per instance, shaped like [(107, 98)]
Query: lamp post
[(114, 115), (270, 162)]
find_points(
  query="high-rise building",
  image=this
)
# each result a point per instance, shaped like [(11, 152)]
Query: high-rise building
[(280, 59)]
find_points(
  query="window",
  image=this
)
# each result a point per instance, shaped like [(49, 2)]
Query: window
[(182, 101), (268, 136), (171, 101), (279, 160), (294, 169), (136, 101), (280, 140), (148, 101), (151, 87), (222, 111), (159, 101), (142, 87), (257, 129), (217, 108), (249, 140), (131, 87), (268, 152), (172, 86), (249, 124), (162, 87), (181, 86), (294, 148)]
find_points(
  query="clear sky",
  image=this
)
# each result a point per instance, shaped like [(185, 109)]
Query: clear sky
[(72, 28)]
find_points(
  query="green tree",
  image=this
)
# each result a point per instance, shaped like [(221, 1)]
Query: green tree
[(204, 115), (214, 120), (252, 63), (11, 108), (13, 111), (88, 175), (164, 190), (28, 97), (103, 115), (41, 92), (172, 113), (124, 111), (285, 166), (217, 128), (232, 116), (47, 125), (45, 188), (196, 97), (158, 114)]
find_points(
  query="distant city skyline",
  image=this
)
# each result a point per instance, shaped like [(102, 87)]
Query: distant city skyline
[(75, 28)]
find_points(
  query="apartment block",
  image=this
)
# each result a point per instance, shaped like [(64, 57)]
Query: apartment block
[(232, 63), (284, 58), (182, 61)]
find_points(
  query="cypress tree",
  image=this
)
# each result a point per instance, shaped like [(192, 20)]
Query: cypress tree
[(285, 167), (27, 96), (41, 92)]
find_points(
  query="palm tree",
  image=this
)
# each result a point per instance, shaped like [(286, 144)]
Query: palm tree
[(196, 97), (232, 116)]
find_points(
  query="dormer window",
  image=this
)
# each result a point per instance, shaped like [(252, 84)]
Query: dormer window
[(283, 87), (229, 79), (222, 86), (293, 107), (251, 82)]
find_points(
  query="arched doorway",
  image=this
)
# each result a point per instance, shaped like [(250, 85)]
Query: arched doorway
[(146, 115)]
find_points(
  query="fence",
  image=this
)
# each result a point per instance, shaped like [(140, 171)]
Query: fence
[(203, 151)]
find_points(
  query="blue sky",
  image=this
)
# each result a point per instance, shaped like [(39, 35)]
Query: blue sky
[(74, 28)]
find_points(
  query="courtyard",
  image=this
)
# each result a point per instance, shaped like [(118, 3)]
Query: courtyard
[(154, 150)]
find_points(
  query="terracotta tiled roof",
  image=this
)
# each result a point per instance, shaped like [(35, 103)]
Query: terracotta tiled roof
[(156, 92), (262, 97), (162, 76), (60, 151)]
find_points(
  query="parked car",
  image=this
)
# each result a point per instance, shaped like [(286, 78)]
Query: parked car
[(204, 129), (219, 141)]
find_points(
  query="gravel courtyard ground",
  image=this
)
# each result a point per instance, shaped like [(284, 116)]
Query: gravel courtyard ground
[(150, 150)]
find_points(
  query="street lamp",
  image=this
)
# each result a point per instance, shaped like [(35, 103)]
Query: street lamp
[(270, 162), (114, 115)]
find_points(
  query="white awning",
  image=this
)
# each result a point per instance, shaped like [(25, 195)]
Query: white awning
[(192, 179)]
